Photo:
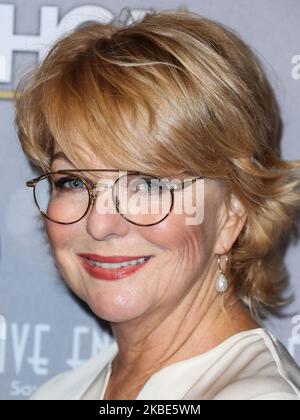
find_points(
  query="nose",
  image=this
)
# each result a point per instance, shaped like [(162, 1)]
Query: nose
[(103, 219)]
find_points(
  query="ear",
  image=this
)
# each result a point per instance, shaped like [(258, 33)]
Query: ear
[(232, 218)]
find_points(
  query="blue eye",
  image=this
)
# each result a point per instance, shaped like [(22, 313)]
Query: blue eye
[(69, 183)]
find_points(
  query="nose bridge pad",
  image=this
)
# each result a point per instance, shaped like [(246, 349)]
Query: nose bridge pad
[(94, 194), (100, 187)]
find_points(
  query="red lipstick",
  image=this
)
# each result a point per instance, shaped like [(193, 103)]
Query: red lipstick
[(104, 273)]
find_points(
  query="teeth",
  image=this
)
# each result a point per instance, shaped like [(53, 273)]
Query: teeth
[(117, 265)]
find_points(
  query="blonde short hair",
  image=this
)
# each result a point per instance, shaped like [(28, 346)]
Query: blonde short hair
[(172, 93)]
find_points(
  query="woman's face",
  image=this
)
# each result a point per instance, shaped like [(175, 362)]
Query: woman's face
[(182, 257)]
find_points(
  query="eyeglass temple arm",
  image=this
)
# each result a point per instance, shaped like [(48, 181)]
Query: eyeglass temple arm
[(32, 182)]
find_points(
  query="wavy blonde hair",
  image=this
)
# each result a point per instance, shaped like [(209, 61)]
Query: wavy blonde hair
[(172, 93)]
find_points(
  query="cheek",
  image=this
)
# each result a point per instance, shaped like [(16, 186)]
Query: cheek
[(183, 244), (188, 227), (63, 239), (61, 236)]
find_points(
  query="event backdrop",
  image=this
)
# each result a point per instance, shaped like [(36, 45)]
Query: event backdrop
[(43, 329)]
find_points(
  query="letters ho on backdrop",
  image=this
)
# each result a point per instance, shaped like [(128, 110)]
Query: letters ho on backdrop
[(50, 28)]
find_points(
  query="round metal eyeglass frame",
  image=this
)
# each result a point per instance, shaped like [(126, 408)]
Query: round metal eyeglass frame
[(92, 194)]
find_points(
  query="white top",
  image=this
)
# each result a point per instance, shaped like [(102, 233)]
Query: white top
[(251, 365)]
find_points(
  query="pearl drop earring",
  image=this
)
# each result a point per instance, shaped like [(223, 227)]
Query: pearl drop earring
[(221, 281)]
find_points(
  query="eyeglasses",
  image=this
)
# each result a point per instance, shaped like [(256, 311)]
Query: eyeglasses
[(65, 197)]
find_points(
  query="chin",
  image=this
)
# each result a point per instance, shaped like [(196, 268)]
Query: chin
[(115, 307)]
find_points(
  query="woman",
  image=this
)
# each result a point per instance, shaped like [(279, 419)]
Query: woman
[(170, 97)]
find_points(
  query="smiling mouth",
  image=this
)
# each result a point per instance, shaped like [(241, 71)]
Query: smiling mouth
[(117, 265), (112, 270)]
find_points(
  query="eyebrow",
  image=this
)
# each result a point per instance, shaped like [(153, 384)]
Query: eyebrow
[(61, 155)]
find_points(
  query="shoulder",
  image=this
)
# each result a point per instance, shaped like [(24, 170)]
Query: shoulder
[(72, 384), (262, 370)]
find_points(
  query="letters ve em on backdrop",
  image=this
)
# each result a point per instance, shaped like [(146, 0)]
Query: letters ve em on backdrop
[(43, 331)]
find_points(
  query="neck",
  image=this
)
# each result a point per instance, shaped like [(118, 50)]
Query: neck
[(196, 326)]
